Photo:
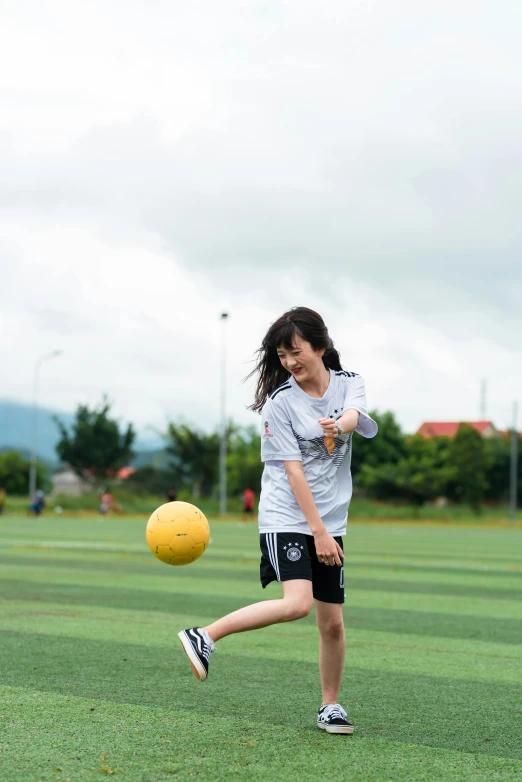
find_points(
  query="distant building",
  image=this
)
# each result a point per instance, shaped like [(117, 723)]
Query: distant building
[(431, 429), (66, 481), (125, 472)]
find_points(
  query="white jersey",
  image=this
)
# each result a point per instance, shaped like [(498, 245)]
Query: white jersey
[(291, 432)]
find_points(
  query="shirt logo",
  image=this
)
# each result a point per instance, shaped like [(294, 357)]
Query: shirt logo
[(267, 432)]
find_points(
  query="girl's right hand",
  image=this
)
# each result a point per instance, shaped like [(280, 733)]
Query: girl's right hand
[(327, 549)]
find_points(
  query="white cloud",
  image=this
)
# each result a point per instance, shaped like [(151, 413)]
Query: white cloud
[(158, 167)]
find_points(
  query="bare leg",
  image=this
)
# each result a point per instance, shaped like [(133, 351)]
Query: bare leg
[(331, 648), (296, 603)]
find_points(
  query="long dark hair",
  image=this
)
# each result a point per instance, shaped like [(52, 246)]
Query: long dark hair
[(299, 321)]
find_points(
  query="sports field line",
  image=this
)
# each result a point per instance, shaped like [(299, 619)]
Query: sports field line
[(473, 561), (83, 545)]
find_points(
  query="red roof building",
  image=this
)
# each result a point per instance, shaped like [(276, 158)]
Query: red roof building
[(125, 472), (431, 429)]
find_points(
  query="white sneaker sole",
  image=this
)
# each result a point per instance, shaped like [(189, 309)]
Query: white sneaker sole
[(197, 669), (336, 728)]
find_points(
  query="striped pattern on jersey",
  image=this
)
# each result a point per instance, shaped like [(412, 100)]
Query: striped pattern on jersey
[(302, 443), (320, 449), (338, 453), (283, 387), (346, 374)]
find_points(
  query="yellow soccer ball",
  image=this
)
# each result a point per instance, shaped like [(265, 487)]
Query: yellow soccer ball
[(177, 533)]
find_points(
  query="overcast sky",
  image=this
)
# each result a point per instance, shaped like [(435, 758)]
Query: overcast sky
[(161, 162)]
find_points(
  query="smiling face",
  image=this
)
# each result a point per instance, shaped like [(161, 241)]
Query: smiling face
[(301, 360)]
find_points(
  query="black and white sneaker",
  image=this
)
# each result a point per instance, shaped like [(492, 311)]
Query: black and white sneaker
[(332, 719), (198, 646)]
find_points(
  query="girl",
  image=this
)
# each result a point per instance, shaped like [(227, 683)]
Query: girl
[(310, 407)]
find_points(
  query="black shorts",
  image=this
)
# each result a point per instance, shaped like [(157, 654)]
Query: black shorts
[(248, 509), (286, 556)]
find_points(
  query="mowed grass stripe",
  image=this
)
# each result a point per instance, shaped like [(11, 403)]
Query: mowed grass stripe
[(130, 628), (363, 539), (364, 543), (458, 557), (116, 534), (495, 551), (427, 571), (219, 559), (417, 684), (161, 741), (436, 711), (457, 583), (159, 628), (200, 605), (354, 578), (227, 587)]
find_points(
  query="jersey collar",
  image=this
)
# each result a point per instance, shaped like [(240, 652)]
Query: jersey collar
[(293, 382)]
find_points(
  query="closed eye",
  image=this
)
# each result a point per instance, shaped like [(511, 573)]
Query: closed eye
[(282, 355)]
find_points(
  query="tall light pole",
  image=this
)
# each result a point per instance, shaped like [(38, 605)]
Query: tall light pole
[(223, 427), (34, 427), (483, 392), (514, 465)]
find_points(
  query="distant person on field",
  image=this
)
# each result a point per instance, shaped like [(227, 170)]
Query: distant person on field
[(172, 494), (310, 408), (106, 503), (3, 494), (249, 499), (37, 503)]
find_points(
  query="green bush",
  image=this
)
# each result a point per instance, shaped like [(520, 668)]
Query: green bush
[(14, 474)]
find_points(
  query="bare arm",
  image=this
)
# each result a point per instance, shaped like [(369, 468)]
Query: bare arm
[(349, 420), (327, 549)]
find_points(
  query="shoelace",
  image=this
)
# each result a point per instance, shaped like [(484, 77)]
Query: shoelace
[(203, 643), (208, 648), (331, 712)]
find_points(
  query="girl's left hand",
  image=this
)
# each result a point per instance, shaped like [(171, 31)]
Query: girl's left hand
[(329, 427)]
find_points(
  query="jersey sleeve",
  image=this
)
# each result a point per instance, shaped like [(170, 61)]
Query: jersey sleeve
[(278, 442), (355, 399)]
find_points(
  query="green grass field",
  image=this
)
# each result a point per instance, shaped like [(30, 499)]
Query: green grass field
[(94, 682)]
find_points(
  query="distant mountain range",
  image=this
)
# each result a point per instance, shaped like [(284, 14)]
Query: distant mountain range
[(16, 432)]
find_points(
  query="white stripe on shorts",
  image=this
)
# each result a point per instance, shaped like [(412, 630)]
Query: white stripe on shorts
[(271, 542)]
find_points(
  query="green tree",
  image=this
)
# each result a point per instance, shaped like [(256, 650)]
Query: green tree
[(14, 473), (244, 465), (387, 448), (194, 458), (470, 461), (96, 445), (499, 469), (151, 480), (499, 457), (421, 475)]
